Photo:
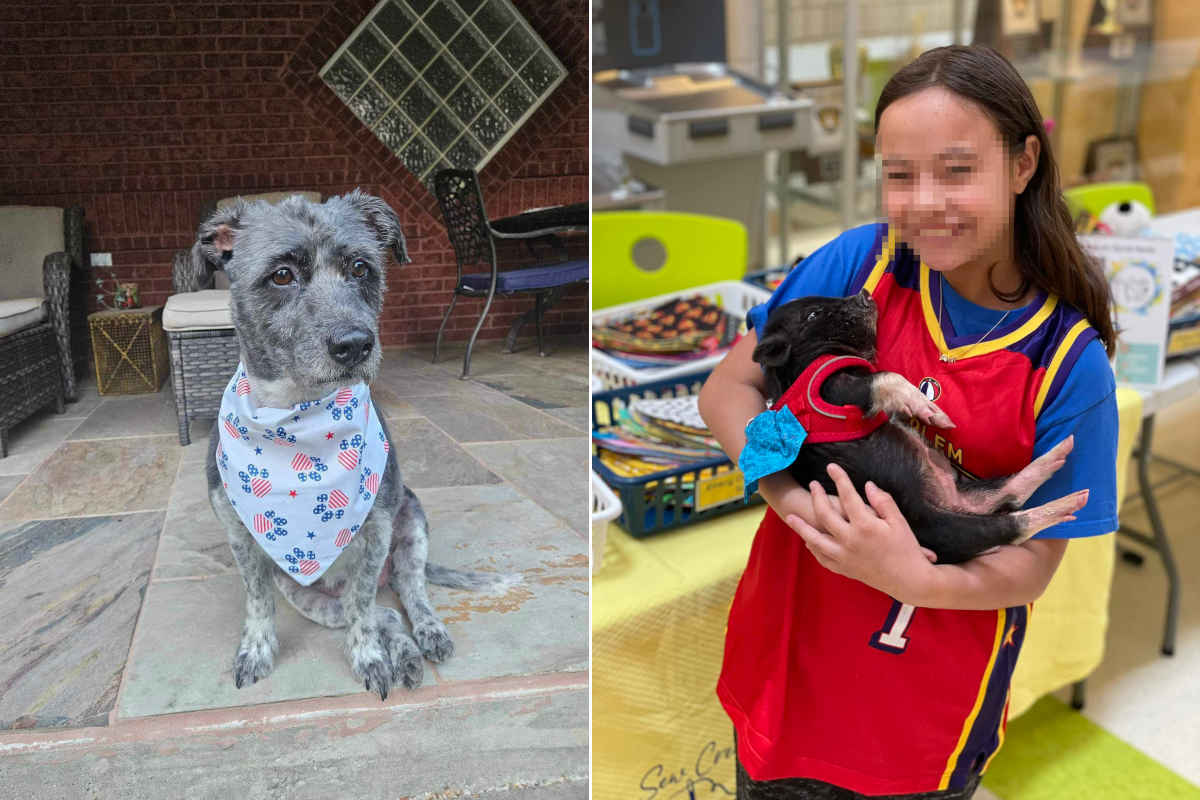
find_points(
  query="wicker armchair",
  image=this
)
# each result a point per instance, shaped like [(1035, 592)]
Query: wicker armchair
[(43, 314), (201, 340)]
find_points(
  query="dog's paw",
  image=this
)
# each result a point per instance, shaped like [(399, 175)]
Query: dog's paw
[(255, 658), (408, 667), (371, 661), (434, 640)]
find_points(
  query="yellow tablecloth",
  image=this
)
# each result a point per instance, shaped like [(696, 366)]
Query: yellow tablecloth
[(659, 607)]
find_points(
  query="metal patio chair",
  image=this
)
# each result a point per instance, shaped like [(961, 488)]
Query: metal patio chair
[(473, 237)]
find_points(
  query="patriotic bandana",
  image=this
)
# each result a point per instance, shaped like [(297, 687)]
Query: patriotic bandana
[(302, 479)]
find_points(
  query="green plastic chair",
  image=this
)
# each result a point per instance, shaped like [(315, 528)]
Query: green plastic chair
[(638, 254), (1095, 197)]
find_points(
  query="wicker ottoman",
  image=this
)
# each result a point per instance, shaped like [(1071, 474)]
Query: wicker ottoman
[(202, 363), (30, 377), (204, 353)]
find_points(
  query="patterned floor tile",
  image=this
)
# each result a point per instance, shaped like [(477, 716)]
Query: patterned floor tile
[(71, 592), (97, 477)]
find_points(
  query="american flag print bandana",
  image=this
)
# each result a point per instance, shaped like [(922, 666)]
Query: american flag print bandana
[(302, 479)]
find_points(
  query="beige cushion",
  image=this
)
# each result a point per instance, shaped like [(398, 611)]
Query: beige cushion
[(198, 311), (18, 314), (27, 235), (270, 197)]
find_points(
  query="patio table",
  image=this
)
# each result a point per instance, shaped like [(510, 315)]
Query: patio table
[(546, 221), (537, 224)]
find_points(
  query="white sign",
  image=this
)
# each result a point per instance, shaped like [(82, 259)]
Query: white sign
[(1139, 277)]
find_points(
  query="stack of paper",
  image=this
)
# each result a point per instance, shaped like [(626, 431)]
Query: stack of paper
[(653, 435)]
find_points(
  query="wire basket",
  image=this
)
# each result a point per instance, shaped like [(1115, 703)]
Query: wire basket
[(737, 297), (676, 496)]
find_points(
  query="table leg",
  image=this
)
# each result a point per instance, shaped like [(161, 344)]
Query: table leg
[(554, 295), (1159, 541)]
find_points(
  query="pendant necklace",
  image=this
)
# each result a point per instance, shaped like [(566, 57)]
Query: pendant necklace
[(946, 358)]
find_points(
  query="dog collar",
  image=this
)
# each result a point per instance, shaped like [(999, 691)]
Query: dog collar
[(774, 437), (301, 479)]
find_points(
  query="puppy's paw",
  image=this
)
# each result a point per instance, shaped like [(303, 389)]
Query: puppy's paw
[(255, 658), (434, 640)]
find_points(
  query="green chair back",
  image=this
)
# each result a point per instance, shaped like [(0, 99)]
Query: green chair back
[(1095, 197), (638, 254)]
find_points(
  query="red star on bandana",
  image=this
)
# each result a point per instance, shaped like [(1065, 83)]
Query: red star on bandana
[(292, 493), (329, 435)]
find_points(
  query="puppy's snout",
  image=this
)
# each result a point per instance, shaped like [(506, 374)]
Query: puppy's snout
[(350, 347)]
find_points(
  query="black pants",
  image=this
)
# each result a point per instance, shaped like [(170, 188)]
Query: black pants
[(807, 789)]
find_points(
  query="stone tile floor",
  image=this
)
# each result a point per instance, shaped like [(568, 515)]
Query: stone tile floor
[(123, 607)]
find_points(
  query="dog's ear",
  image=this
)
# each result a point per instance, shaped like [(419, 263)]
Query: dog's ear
[(773, 351), (383, 220), (214, 239)]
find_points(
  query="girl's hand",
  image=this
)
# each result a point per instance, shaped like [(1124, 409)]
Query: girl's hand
[(869, 543)]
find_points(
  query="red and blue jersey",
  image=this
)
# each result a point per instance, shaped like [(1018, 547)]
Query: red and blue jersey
[(827, 678)]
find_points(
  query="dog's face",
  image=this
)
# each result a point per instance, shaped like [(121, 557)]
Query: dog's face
[(802, 330), (307, 282)]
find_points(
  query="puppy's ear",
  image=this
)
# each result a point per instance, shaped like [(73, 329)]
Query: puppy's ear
[(384, 221), (214, 239), (773, 351)]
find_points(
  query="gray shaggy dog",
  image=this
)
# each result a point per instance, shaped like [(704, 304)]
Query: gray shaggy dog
[(307, 282)]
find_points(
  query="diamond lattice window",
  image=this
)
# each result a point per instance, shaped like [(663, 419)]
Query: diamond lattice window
[(443, 82)]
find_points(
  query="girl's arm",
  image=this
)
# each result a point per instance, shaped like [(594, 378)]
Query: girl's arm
[(874, 544)]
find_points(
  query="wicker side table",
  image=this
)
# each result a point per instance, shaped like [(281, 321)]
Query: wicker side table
[(129, 349)]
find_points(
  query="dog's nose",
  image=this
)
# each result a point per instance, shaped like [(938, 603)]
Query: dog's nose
[(349, 348)]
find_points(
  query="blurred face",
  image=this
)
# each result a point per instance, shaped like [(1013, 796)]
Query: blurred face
[(948, 186)]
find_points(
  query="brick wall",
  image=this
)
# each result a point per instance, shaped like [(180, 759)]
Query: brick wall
[(144, 112)]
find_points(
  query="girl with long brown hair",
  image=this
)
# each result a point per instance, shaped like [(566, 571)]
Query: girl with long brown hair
[(854, 665)]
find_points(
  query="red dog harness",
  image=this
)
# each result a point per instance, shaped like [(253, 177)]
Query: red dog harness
[(824, 421)]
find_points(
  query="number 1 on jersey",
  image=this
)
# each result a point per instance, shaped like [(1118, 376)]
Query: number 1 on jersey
[(891, 638)]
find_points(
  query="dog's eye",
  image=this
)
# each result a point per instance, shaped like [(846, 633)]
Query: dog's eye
[(358, 268), (283, 277)]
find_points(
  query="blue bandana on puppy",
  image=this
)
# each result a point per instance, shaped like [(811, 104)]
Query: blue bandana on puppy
[(301, 479)]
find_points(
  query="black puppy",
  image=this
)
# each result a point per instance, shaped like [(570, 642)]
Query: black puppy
[(955, 516)]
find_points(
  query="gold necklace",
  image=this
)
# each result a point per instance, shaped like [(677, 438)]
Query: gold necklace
[(946, 357)]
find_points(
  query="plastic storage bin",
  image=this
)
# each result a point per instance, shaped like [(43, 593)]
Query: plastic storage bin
[(735, 296), (676, 496), (605, 508)]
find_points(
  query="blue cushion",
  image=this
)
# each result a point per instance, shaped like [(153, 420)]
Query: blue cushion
[(523, 280)]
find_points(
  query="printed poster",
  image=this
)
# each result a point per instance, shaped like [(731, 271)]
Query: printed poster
[(1139, 276)]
